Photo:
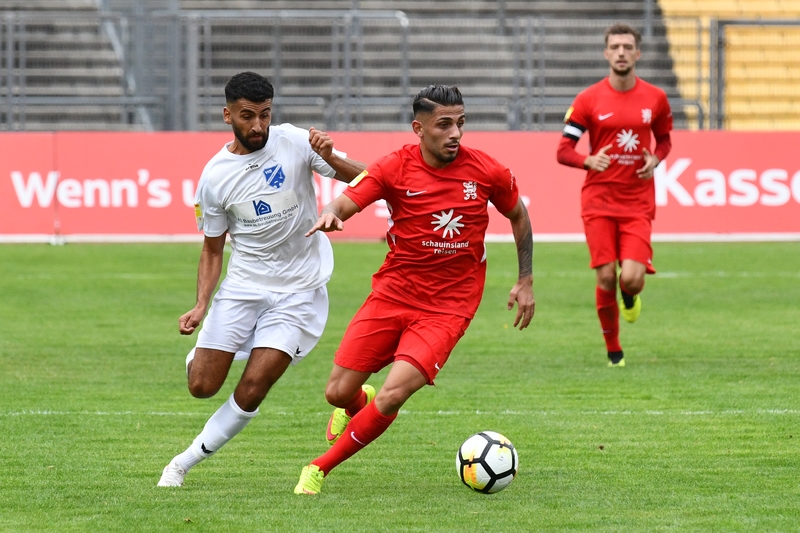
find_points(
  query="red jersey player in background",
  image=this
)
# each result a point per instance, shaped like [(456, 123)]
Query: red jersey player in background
[(429, 287), (618, 196)]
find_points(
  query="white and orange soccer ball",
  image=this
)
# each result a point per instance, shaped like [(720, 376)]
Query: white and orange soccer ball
[(487, 462)]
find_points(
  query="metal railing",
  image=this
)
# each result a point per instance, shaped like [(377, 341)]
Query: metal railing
[(170, 67), (346, 94)]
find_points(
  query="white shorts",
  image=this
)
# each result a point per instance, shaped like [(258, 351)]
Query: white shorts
[(241, 319)]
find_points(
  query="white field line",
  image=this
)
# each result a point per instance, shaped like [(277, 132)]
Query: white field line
[(490, 237), (56, 276), (675, 275), (404, 412), (538, 274)]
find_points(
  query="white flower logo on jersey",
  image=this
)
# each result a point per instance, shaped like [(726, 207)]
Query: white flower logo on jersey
[(450, 224), (470, 190), (627, 140)]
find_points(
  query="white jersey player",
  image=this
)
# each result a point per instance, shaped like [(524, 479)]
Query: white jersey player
[(272, 306)]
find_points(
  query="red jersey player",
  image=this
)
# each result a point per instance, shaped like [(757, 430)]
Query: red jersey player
[(618, 196), (429, 287)]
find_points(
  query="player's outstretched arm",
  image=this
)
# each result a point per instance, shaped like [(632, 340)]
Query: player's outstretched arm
[(334, 214), (522, 291), (346, 169), (208, 272)]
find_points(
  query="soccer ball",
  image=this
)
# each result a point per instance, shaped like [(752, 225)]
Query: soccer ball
[(487, 462)]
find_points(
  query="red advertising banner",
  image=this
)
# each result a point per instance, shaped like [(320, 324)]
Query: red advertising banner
[(140, 186)]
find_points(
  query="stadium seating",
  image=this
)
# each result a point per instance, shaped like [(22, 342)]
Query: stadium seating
[(762, 63), (69, 65), (469, 43), (495, 56)]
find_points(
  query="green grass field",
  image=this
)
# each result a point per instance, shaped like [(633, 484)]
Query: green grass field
[(699, 432)]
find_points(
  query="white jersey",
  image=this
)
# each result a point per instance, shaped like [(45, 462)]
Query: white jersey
[(266, 201)]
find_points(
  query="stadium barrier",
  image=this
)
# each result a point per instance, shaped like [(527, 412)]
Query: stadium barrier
[(90, 186)]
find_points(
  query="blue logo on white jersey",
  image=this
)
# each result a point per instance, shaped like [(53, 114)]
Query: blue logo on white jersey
[(275, 176), (262, 207)]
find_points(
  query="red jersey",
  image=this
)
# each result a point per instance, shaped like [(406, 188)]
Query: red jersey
[(625, 121), (437, 225)]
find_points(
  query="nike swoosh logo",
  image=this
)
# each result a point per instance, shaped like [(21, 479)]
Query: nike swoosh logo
[(205, 450), (330, 436), (603, 117), (436, 366), (409, 193), (353, 435)]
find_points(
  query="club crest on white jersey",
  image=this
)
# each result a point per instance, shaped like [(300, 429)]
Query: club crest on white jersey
[(274, 176)]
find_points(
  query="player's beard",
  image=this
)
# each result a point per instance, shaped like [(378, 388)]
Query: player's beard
[(445, 156), (622, 72), (249, 145)]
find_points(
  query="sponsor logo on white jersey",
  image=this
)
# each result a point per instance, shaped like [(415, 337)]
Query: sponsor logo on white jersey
[(262, 208), (266, 211)]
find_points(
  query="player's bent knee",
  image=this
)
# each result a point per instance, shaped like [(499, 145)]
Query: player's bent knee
[(200, 388), (339, 395), (632, 285)]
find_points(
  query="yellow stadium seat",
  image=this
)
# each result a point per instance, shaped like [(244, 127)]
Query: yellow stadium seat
[(762, 69)]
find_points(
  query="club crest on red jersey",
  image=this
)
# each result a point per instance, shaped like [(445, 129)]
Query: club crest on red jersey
[(470, 190)]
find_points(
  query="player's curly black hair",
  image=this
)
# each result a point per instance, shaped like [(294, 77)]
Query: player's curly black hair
[(250, 86), (433, 95)]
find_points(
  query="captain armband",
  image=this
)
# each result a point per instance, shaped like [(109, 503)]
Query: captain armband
[(573, 130)]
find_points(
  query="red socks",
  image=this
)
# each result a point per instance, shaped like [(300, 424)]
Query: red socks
[(365, 427), (608, 312), (357, 404)]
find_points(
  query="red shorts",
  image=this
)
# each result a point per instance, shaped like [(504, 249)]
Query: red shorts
[(616, 239), (385, 330)]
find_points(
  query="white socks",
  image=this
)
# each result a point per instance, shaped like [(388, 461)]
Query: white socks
[(223, 425)]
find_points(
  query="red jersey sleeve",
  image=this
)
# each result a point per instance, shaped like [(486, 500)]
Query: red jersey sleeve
[(568, 155), (662, 126), (578, 116), (505, 194), (371, 187), (576, 122)]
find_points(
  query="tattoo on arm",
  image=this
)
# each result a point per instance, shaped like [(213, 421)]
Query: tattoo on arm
[(525, 246)]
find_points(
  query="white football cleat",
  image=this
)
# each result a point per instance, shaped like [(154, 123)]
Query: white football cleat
[(172, 476)]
